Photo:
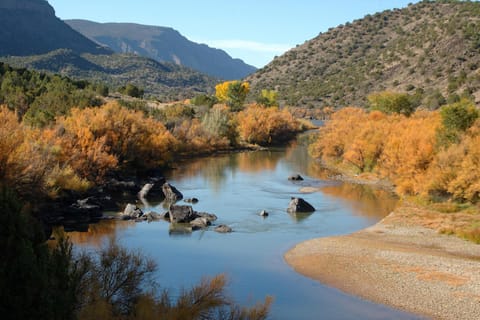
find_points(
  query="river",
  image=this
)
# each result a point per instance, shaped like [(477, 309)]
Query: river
[(236, 187)]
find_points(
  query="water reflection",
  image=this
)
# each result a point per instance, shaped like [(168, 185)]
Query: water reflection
[(364, 200), (97, 233)]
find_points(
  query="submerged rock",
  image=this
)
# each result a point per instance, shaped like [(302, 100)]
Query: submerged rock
[(223, 229), (299, 205), (191, 200), (295, 177)]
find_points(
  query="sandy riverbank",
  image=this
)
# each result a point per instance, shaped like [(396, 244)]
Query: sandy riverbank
[(398, 263)]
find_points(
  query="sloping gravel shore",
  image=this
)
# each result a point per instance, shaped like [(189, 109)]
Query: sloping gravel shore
[(409, 267)]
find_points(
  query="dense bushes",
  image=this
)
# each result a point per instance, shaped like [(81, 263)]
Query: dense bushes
[(409, 151), (265, 126), (81, 148)]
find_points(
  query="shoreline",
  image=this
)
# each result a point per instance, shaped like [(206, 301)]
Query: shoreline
[(398, 263)]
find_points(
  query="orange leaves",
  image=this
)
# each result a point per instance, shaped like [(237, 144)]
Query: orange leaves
[(394, 146), (264, 126), (108, 135)]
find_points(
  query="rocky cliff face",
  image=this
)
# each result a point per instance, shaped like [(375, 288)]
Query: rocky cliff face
[(38, 6), (30, 27)]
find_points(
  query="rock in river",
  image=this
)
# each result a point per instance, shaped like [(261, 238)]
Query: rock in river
[(299, 205), (181, 214), (171, 193), (295, 177), (223, 229)]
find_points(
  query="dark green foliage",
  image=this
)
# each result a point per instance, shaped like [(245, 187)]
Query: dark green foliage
[(38, 98), (236, 95), (204, 100), (456, 119), (391, 102), (459, 116), (132, 91), (35, 282)]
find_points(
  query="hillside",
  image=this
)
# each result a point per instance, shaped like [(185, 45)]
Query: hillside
[(431, 49), (30, 27), (166, 81), (164, 45)]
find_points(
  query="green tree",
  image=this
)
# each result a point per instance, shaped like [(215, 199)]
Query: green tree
[(232, 93), (268, 98), (456, 119), (391, 102)]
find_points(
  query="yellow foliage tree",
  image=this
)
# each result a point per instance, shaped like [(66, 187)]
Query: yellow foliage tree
[(232, 93)]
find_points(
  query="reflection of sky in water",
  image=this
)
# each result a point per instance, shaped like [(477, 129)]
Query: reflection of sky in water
[(236, 188)]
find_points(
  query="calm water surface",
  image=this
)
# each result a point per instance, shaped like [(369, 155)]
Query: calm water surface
[(236, 188)]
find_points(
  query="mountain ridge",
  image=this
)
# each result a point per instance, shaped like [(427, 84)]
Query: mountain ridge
[(37, 30), (163, 44), (431, 49)]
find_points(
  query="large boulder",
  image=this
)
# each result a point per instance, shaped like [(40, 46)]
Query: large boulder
[(142, 194), (181, 214), (299, 205), (171, 193), (131, 212)]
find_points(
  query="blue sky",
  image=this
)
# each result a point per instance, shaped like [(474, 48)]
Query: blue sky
[(252, 30)]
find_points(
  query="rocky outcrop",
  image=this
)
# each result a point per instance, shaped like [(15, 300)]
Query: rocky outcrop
[(181, 214), (171, 193), (131, 212), (299, 205)]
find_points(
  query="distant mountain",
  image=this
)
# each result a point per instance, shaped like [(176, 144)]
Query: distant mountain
[(166, 81), (163, 44), (431, 49), (30, 27), (32, 36)]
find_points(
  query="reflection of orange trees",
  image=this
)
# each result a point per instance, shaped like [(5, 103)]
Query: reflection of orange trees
[(264, 126), (366, 201), (98, 232), (258, 161)]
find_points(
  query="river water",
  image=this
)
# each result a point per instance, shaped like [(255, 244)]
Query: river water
[(236, 187)]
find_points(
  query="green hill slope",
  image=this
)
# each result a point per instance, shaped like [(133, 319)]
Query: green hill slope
[(166, 81), (430, 48)]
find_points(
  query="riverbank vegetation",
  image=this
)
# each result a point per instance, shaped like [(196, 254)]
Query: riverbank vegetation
[(432, 156), (59, 136)]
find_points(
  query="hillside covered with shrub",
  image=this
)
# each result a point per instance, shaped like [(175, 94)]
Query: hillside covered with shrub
[(430, 49)]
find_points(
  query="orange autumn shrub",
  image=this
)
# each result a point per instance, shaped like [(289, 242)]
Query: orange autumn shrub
[(337, 134), (265, 126), (102, 138), (194, 138), (393, 146), (455, 170)]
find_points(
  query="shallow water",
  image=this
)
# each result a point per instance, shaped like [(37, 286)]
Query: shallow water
[(236, 187)]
